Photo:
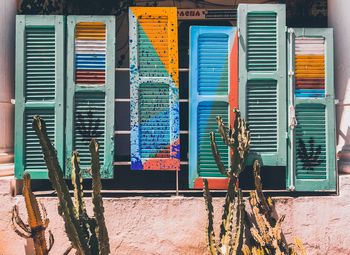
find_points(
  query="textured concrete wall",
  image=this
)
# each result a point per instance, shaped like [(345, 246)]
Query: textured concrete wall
[(175, 226)]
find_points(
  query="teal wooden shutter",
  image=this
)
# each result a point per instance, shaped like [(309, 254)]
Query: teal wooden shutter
[(262, 79), (91, 85), (39, 89), (210, 68), (314, 167), (154, 89)]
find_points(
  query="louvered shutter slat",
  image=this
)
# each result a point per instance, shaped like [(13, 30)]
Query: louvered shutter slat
[(90, 94), (314, 136), (155, 143), (262, 79), (212, 93), (39, 90)]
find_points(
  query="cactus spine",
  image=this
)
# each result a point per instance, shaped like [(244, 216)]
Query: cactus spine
[(88, 236), (37, 223)]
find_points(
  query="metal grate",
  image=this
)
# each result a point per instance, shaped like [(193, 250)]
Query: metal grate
[(33, 156), (153, 44), (90, 53), (40, 63), (262, 41), (310, 138), (309, 67), (154, 107), (207, 113), (262, 115), (89, 116), (213, 64)]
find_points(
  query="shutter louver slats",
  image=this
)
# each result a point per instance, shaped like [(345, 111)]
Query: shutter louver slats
[(212, 93), (90, 52), (314, 168), (39, 90), (310, 139), (90, 93), (262, 115), (207, 112), (262, 38), (40, 73), (34, 160), (262, 80), (155, 143), (309, 67)]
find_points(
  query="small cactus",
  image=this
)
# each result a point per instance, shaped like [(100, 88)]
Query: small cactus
[(88, 235), (37, 220)]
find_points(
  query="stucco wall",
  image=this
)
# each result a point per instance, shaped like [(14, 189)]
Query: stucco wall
[(175, 226)]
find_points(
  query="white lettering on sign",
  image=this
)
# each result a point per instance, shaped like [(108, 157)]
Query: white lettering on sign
[(183, 14)]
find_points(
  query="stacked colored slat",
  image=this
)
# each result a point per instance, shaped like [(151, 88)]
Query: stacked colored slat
[(90, 53), (309, 67)]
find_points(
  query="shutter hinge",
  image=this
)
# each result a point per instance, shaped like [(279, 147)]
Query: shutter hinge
[(13, 101), (290, 30), (286, 134)]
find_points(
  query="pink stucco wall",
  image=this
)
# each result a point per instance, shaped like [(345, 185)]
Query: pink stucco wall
[(175, 226)]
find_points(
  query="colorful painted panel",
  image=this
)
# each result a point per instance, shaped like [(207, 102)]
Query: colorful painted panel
[(213, 92), (90, 53), (309, 67), (91, 89), (154, 92)]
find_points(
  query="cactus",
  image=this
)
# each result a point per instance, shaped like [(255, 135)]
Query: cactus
[(238, 140), (88, 235), (37, 223), (258, 233), (266, 230)]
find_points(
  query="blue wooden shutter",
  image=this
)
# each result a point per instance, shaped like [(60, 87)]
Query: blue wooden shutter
[(91, 85), (154, 89), (210, 67), (39, 89), (314, 167), (262, 79)]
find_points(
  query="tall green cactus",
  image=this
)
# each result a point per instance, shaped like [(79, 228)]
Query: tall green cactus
[(88, 235), (37, 220)]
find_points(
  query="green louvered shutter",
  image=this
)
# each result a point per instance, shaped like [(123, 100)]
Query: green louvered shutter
[(314, 164), (262, 79), (39, 89), (91, 85)]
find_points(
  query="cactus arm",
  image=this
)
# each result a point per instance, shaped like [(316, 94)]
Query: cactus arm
[(18, 225), (102, 233), (34, 215), (67, 210), (237, 244), (67, 251), (210, 227), (51, 241), (35, 221), (223, 130), (77, 182), (216, 154), (258, 189), (227, 215)]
